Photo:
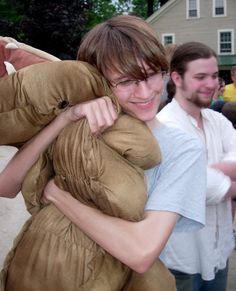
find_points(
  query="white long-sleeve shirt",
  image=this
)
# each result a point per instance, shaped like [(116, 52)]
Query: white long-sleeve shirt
[(208, 249)]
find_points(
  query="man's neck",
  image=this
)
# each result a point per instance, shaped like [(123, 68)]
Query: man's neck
[(191, 109), (154, 123)]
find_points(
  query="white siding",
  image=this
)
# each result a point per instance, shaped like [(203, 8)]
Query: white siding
[(172, 20)]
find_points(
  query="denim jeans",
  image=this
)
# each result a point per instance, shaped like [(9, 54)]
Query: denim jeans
[(183, 281), (187, 282)]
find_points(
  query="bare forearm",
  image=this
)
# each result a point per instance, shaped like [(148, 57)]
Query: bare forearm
[(13, 175), (98, 226), (136, 244), (228, 168)]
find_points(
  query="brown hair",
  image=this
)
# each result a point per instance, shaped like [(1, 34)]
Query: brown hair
[(233, 71), (188, 52), (170, 48), (122, 44)]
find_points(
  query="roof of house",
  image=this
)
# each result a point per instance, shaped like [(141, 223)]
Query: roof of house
[(169, 4)]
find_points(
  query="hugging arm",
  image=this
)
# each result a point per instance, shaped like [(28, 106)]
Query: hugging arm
[(14, 173), (139, 244), (136, 244)]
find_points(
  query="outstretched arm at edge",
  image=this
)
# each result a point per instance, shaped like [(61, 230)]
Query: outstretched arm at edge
[(13, 175), (100, 114)]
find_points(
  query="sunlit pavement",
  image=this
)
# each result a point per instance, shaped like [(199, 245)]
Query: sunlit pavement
[(13, 212)]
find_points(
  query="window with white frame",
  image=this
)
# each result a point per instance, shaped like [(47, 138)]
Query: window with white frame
[(225, 41), (219, 7), (192, 8), (168, 38)]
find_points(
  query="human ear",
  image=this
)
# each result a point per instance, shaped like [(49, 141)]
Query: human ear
[(176, 78)]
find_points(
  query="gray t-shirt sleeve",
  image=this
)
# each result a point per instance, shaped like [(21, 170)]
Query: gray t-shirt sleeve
[(178, 184)]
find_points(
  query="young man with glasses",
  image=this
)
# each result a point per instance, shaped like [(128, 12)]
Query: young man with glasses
[(126, 51)]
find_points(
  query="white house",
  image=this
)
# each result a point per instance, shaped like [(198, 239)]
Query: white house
[(212, 22)]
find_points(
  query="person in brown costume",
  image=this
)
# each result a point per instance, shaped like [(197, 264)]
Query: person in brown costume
[(104, 172)]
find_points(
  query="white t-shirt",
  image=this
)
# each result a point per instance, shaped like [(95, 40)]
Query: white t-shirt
[(178, 184)]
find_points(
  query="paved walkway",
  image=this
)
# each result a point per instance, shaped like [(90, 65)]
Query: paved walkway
[(13, 213), (232, 273)]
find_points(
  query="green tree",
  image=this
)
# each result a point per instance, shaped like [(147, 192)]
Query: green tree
[(9, 10), (10, 16), (101, 10), (144, 8), (56, 26), (124, 6), (162, 2)]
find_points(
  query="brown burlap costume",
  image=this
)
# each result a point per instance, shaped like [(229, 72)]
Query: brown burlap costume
[(51, 253)]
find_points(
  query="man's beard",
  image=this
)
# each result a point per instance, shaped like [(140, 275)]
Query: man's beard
[(196, 100), (199, 102)]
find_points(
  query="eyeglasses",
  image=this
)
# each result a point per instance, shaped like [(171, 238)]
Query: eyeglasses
[(130, 84)]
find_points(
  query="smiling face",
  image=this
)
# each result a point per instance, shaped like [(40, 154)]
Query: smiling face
[(139, 98), (199, 82), (127, 52)]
